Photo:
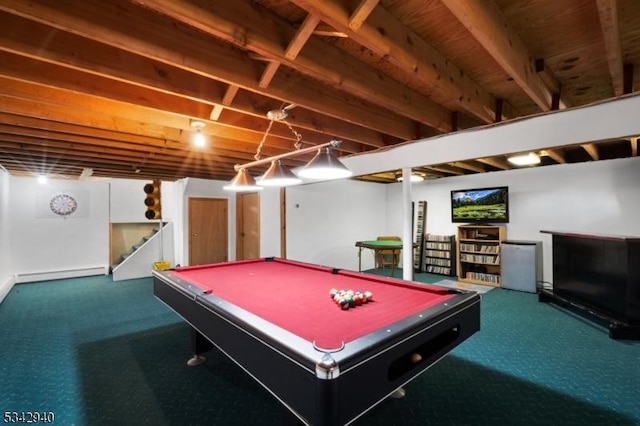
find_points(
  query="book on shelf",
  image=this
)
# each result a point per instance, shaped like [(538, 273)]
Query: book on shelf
[(439, 254), (478, 276)]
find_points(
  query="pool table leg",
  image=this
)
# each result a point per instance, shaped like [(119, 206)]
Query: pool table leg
[(199, 345)]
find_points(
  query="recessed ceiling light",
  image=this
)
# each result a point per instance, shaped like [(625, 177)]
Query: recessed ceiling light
[(525, 159)]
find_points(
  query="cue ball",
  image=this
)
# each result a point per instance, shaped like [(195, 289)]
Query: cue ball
[(415, 358)]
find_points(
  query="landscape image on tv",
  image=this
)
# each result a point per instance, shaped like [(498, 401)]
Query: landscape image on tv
[(480, 205)]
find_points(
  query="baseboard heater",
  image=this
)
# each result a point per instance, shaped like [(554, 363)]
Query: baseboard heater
[(60, 274)]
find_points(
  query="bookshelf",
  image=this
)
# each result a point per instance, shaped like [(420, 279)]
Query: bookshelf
[(440, 254), (419, 236), (479, 253)]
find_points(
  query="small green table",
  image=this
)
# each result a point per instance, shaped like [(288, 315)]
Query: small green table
[(375, 245)]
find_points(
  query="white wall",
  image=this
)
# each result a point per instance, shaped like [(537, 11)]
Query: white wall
[(607, 120), (324, 220), (127, 200), (43, 243), (270, 222), (37, 245), (6, 272), (600, 197)]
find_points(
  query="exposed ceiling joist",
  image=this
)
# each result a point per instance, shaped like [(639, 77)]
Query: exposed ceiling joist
[(489, 26), (113, 85), (608, 12)]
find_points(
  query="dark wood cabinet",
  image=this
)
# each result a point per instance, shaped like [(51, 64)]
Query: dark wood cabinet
[(599, 274)]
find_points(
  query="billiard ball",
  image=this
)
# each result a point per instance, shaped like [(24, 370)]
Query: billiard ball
[(344, 304), (333, 292), (416, 358), (368, 296)]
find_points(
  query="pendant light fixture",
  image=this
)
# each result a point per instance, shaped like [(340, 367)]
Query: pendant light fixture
[(242, 182), (323, 166), (279, 175)]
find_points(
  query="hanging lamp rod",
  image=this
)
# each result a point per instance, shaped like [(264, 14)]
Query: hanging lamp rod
[(333, 143)]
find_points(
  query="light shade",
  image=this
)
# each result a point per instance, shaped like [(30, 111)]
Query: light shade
[(242, 182), (325, 166), (278, 175), (525, 159)]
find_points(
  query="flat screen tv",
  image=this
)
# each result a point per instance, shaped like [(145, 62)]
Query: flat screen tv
[(480, 205)]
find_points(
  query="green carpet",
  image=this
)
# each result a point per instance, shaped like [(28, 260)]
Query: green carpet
[(96, 352)]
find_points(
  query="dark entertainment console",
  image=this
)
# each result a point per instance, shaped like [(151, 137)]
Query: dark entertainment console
[(599, 274)]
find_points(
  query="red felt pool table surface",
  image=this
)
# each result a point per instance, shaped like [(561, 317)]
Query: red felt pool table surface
[(295, 297)]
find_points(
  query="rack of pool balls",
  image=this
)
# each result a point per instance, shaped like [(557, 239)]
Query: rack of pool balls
[(350, 299)]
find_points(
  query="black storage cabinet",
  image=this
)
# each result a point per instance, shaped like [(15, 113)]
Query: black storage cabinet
[(601, 275)]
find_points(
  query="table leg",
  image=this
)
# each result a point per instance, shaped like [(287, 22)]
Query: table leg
[(393, 263), (393, 266), (199, 344)]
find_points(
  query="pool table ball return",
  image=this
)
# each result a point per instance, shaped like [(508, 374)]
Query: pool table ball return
[(326, 364)]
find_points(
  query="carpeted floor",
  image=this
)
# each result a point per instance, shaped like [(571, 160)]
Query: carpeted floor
[(95, 352)]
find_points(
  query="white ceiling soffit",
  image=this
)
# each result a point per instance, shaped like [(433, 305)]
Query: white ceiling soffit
[(619, 118)]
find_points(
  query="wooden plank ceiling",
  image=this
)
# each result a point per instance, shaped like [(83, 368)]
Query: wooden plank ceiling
[(109, 88)]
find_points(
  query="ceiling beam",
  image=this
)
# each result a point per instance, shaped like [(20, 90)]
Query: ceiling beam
[(592, 150), (492, 30), (293, 49), (556, 155), (260, 31), (608, 13), (386, 36), (227, 99), (178, 115), (325, 30), (361, 13), (444, 168), (634, 146), (70, 51), (495, 162), (105, 115), (224, 152), (301, 37), (139, 31), (467, 165)]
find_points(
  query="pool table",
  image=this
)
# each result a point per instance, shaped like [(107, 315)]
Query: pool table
[(325, 364)]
